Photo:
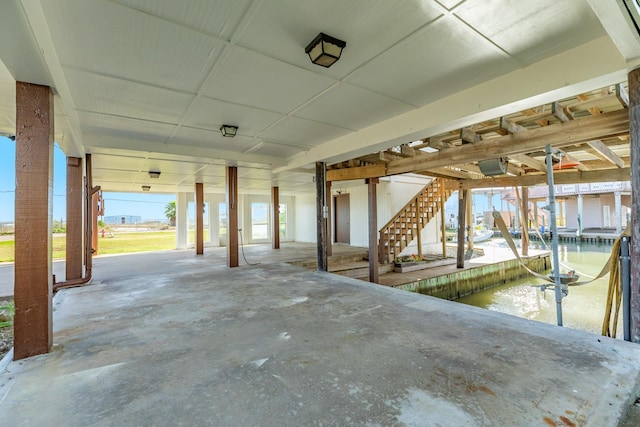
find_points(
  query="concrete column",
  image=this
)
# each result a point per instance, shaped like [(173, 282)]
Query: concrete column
[(199, 218), (232, 216), (634, 133), (373, 228), (580, 216), (74, 249), (618, 202), (321, 215), (275, 203), (33, 333), (181, 220)]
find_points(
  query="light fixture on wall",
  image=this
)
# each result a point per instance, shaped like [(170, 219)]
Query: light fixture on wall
[(154, 174), (146, 187), (325, 50), (228, 131)]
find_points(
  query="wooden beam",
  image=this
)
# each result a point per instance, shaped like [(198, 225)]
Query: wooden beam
[(360, 172), (622, 95), (558, 135), (530, 161), (525, 221), (321, 217), (468, 136), (329, 201), (74, 249), (32, 324), (559, 113), (447, 173), (199, 218), (462, 204), (443, 219), (275, 204), (634, 113), (606, 152), (560, 177), (232, 216), (373, 229), (438, 143), (510, 126)]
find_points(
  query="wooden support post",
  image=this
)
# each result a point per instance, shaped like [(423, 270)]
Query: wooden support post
[(275, 203), (89, 209), (74, 248), (462, 205), (419, 225), (232, 216), (321, 215), (199, 218), (33, 332), (525, 221), (443, 221), (329, 201), (634, 133), (95, 207), (470, 220), (373, 228)]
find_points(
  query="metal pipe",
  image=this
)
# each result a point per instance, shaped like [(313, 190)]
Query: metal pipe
[(554, 235), (89, 191), (625, 275)]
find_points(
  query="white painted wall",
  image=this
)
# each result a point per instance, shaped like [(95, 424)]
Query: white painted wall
[(305, 218), (393, 193)]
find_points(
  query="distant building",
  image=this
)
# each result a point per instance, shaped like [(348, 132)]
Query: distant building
[(122, 219)]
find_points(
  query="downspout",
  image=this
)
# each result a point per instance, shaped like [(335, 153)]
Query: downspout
[(89, 191)]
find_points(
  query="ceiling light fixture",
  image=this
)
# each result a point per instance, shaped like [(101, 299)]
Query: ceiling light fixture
[(154, 174), (325, 50), (229, 131), (146, 187)]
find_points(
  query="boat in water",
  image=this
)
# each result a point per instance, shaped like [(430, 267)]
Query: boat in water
[(480, 234), (566, 278)]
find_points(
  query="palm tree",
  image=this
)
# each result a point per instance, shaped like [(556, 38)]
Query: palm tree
[(170, 212)]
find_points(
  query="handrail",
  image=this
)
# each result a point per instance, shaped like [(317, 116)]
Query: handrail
[(406, 206)]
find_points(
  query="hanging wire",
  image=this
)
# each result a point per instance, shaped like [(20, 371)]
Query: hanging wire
[(242, 249)]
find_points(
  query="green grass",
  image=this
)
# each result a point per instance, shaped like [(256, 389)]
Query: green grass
[(118, 244), (7, 310)]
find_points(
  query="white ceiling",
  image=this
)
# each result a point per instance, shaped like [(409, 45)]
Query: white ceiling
[(146, 84)]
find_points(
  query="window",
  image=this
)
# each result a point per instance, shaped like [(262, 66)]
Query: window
[(259, 221), (282, 218)]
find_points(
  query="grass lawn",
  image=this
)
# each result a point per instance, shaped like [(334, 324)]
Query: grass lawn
[(119, 243)]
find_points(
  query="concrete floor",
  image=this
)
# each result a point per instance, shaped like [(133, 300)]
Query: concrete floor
[(174, 339)]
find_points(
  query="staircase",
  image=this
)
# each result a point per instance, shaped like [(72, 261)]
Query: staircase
[(411, 219)]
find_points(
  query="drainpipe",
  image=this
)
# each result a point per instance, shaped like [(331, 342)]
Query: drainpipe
[(625, 273), (89, 191)]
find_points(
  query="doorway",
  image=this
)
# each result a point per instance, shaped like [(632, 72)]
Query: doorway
[(342, 219)]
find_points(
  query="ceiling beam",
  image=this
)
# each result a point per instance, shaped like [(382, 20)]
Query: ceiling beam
[(564, 177), (622, 95), (606, 153), (361, 172), (559, 113), (558, 135), (530, 161)]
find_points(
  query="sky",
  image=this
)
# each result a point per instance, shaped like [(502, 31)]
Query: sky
[(147, 206)]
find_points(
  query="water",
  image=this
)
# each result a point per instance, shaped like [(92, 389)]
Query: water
[(582, 309)]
